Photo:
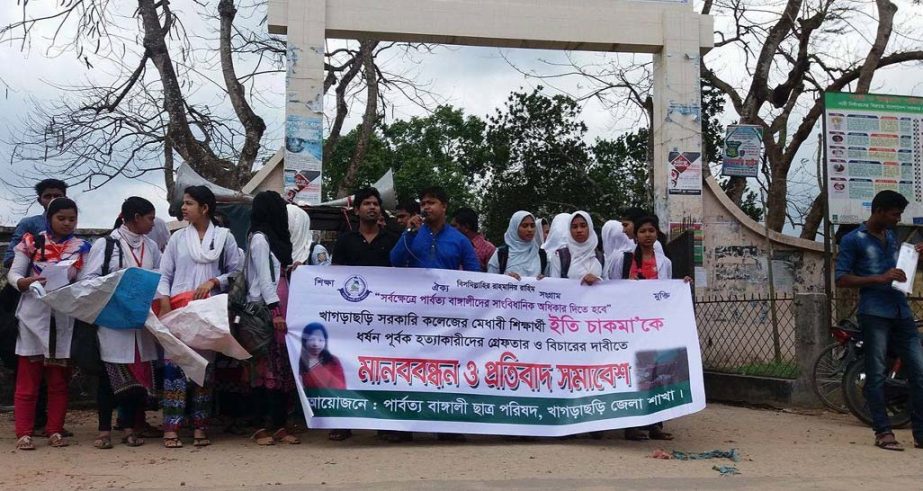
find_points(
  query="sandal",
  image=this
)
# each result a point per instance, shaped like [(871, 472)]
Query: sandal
[(659, 434), (25, 443), (283, 436), (339, 435), (103, 442), (636, 435), (200, 441), (57, 440), (886, 441), (133, 440), (262, 438), (172, 443)]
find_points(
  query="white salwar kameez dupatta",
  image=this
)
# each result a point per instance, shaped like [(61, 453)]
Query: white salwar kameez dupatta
[(583, 260), (188, 262), (118, 345), (523, 258), (615, 244), (299, 226)]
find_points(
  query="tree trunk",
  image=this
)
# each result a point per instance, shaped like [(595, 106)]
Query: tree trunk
[(253, 124), (777, 201), (813, 219), (369, 119), (199, 156), (342, 107), (168, 180), (736, 186), (886, 11)]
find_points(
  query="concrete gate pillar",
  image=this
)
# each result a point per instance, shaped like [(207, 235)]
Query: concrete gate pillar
[(669, 29), (304, 100), (677, 124)]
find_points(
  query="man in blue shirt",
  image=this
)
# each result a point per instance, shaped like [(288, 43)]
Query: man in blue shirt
[(867, 260), (430, 243), (46, 190)]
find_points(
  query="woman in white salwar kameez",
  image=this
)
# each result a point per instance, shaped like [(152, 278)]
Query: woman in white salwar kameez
[(127, 354), (198, 259)]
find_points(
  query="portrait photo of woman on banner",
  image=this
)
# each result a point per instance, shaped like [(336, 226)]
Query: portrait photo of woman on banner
[(318, 368)]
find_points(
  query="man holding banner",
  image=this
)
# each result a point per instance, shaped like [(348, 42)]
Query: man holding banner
[(448, 351)]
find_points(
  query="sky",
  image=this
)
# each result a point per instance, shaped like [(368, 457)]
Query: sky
[(477, 80)]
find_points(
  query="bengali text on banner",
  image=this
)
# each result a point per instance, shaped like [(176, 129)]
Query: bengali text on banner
[(459, 352)]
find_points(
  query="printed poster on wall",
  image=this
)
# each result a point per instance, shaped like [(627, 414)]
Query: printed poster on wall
[(685, 172), (873, 142), (743, 148), (304, 148), (460, 352)]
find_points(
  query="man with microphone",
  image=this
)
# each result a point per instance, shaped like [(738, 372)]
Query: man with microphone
[(429, 242)]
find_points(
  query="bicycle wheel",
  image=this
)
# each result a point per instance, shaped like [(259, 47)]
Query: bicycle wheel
[(827, 379), (897, 396)]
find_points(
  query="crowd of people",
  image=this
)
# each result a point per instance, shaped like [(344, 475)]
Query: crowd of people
[(257, 397)]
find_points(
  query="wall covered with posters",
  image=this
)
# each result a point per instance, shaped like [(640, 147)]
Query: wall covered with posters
[(736, 255)]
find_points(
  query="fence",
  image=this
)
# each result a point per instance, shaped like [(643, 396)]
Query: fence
[(749, 336)]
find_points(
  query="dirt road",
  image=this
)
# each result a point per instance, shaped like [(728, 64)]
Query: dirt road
[(779, 449)]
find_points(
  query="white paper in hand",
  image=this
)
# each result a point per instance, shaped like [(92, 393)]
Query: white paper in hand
[(906, 262), (57, 275)]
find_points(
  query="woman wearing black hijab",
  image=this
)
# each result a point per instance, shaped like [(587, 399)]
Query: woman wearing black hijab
[(269, 256)]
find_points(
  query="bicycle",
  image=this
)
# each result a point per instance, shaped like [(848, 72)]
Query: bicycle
[(831, 363)]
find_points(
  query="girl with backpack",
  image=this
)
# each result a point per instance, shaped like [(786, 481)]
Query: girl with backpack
[(646, 262), (128, 355), (44, 341), (198, 259), (578, 259), (269, 257), (521, 254)]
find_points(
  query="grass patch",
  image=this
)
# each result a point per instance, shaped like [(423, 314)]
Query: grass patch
[(785, 369)]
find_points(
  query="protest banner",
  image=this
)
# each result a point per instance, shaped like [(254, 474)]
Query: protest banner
[(120, 300), (460, 352)]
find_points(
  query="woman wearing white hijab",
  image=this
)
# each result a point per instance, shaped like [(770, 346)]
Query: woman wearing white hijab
[(615, 244), (299, 225), (540, 231), (557, 233), (522, 253), (578, 259)]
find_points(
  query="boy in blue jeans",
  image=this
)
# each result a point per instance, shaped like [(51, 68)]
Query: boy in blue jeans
[(867, 260)]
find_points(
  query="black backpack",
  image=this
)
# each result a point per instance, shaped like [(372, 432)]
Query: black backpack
[(85, 341), (9, 324), (564, 254), (627, 258), (503, 256)]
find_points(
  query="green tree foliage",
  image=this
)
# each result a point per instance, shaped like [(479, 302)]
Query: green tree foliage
[(540, 161), (440, 149)]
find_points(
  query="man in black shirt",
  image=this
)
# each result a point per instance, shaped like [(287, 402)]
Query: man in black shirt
[(371, 244)]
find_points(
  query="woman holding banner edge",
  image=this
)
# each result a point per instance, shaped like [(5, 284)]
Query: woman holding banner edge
[(198, 258), (43, 344), (127, 378)]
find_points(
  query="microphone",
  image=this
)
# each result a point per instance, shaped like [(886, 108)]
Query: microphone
[(424, 214)]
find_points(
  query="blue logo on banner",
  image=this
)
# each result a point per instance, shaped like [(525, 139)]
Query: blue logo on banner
[(355, 289)]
